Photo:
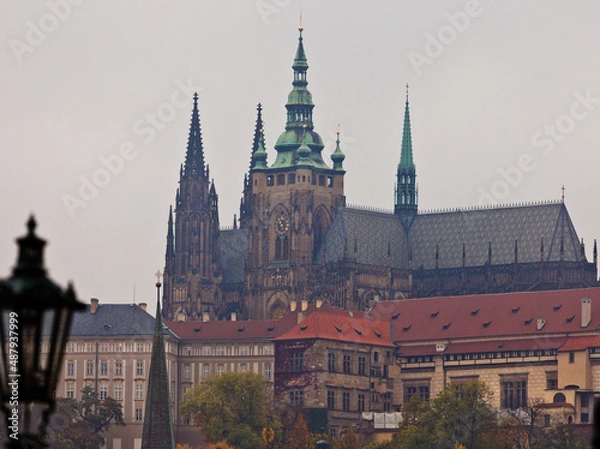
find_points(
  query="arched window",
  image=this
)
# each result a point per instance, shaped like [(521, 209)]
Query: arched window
[(278, 248), (559, 398), (286, 247)]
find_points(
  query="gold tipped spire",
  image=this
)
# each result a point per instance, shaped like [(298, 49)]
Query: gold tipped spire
[(338, 130), (300, 26), (407, 90)]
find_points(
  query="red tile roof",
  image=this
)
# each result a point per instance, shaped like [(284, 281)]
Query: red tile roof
[(581, 343), (333, 325), (233, 330), (489, 316)]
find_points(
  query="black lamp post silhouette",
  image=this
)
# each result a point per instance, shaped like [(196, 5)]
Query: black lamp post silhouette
[(35, 319)]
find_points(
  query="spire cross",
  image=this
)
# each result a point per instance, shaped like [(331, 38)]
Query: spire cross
[(158, 275), (563, 193), (407, 86)]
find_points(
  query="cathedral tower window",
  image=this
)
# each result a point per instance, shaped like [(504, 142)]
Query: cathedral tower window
[(280, 180), (292, 178)]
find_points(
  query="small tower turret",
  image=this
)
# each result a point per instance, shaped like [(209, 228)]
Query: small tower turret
[(406, 184)]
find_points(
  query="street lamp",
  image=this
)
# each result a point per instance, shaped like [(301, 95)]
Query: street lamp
[(35, 319)]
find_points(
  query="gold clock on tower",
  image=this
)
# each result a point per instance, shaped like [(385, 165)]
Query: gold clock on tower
[(282, 226)]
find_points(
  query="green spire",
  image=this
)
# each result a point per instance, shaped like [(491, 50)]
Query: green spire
[(157, 432), (337, 156), (260, 155), (299, 125), (406, 185)]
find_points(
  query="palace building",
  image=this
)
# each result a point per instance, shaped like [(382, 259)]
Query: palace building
[(297, 240)]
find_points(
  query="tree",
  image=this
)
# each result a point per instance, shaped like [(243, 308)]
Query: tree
[(78, 424), (299, 436), (459, 415), (232, 407)]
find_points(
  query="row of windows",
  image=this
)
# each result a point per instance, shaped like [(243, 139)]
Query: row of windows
[(103, 369), (227, 350), (321, 180), (489, 355), (360, 368), (103, 393), (108, 347), (513, 392), (220, 369)]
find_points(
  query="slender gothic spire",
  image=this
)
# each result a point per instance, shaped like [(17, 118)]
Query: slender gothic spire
[(406, 185), (258, 133), (157, 432), (194, 157), (170, 253)]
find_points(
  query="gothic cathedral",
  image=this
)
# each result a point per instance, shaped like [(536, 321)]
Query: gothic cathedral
[(297, 242)]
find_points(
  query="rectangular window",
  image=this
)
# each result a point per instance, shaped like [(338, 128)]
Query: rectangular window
[(321, 180), (139, 368), (140, 347), (70, 390), (205, 371), (139, 391), (243, 368), (362, 365), (187, 350), (268, 350), (331, 400), (138, 416), (347, 364), (296, 361), (118, 368), (187, 372), (103, 392), (329, 181), (280, 180), (220, 350), (552, 380), (118, 391), (297, 397), (89, 368), (71, 347), (118, 347), (571, 357), (331, 362), (267, 371), (346, 401), (89, 347), (70, 368), (422, 390), (104, 347), (361, 403), (292, 178), (243, 350), (376, 356), (220, 369), (270, 181), (104, 368), (205, 350), (513, 394)]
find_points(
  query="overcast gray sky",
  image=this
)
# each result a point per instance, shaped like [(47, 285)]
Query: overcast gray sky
[(94, 110)]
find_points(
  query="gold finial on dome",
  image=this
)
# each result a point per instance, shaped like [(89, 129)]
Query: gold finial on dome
[(300, 26)]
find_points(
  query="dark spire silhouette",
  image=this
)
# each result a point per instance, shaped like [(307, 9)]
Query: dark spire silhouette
[(158, 429), (194, 157)]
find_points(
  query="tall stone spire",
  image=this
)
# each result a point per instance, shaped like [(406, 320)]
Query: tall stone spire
[(406, 185), (194, 157), (170, 252), (258, 133), (157, 432)]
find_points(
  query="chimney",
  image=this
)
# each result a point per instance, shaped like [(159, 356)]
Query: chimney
[(205, 317), (293, 305), (303, 305), (318, 303), (541, 322), (233, 316), (94, 305), (143, 306), (586, 311), (180, 317)]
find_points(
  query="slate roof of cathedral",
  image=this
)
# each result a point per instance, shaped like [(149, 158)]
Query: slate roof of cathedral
[(233, 248), (473, 320), (475, 228)]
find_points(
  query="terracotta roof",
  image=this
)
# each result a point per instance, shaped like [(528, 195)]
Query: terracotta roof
[(487, 316), (475, 347), (581, 343), (233, 330), (340, 327)]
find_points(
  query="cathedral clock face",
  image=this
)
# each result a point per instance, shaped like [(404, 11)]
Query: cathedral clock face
[(282, 225)]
